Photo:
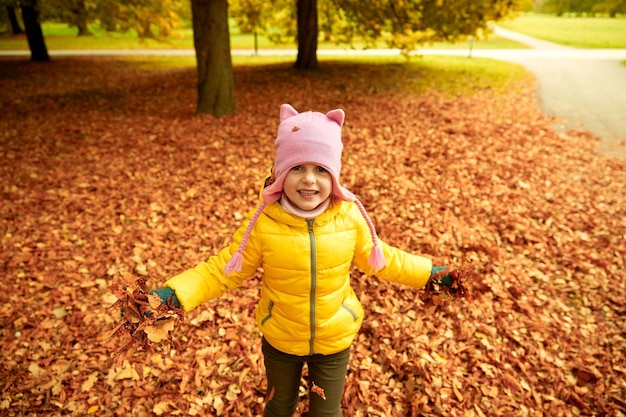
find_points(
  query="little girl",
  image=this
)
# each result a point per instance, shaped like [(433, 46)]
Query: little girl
[(306, 233)]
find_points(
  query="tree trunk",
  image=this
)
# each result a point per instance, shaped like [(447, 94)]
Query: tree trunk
[(34, 35), (307, 34), (79, 17), (83, 30), (16, 29), (216, 84)]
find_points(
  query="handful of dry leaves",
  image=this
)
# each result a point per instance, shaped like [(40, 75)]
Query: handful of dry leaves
[(437, 293), (145, 321)]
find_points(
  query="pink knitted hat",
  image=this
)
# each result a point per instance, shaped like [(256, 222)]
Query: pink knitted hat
[(307, 138)]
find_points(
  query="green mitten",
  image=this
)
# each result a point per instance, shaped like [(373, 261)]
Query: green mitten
[(165, 294), (440, 275)]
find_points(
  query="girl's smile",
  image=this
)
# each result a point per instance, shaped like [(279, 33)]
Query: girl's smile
[(307, 186)]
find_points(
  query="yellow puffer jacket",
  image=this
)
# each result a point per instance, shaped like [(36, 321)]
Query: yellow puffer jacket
[(307, 305)]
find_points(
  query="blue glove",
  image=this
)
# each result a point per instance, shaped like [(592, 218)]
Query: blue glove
[(443, 279), (165, 294)]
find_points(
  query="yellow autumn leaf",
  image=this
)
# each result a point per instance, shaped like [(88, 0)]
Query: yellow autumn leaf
[(218, 405), (159, 330), (36, 370), (129, 279), (154, 300), (127, 373), (89, 382), (161, 408)]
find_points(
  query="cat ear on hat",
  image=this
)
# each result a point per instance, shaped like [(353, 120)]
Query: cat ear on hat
[(287, 111), (337, 115)]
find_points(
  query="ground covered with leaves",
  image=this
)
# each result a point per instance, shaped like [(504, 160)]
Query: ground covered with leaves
[(106, 171)]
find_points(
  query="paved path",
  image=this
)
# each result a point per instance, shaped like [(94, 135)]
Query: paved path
[(584, 88)]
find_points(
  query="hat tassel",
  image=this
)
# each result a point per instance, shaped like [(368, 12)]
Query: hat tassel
[(377, 257), (235, 263)]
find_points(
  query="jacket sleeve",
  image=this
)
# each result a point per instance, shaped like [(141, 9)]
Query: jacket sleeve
[(402, 267), (207, 280), (405, 268)]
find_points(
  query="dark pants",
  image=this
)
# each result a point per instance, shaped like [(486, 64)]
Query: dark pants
[(327, 378)]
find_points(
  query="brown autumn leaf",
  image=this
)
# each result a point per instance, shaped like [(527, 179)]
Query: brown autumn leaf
[(106, 169), (145, 322), (315, 389)]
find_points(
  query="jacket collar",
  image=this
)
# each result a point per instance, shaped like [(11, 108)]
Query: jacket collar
[(278, 213)]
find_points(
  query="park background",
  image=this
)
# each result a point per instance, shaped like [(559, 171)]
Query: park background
[(108, 169)]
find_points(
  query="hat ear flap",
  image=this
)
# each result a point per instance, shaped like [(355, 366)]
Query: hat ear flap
[(337, 115), (287, 111)]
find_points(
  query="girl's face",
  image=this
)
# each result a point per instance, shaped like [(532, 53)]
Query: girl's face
[(307, 186)]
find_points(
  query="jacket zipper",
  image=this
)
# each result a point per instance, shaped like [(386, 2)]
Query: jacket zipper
[(313, 283), (269, 312)]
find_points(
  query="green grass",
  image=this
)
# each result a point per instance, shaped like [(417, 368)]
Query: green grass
[(585, 32), (450, 76), (60, 36), (166, 63)]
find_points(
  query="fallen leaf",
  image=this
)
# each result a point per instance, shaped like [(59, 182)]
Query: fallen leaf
[(159, 331)]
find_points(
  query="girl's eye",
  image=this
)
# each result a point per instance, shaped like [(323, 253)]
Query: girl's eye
[(302, 168)]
